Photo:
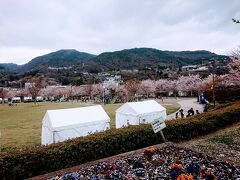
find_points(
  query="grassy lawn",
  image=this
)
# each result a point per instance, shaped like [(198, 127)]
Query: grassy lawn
[(21, 125), (224, 143)]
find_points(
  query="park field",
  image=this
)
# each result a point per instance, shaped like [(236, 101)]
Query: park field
[(21, 125)]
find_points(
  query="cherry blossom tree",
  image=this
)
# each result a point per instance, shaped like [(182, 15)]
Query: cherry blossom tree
[(173, 86), (11, 93), (46, 92), (162, 85), (51, 92), (208, 81), (234, 69), (23, 92), (132, 87), (34, 88), (147, 87), (188, 83), (112, 89), (121, 92), (88, 89), (3, 94), (71, 91), (97, 90)]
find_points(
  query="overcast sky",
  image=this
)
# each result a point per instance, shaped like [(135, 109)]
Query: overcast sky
[(29, 28)]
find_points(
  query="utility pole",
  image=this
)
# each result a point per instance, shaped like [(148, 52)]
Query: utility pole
[(104, 102), (213, 87)]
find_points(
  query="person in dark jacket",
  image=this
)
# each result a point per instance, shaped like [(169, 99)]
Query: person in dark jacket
[(197, 112), (181, 113)]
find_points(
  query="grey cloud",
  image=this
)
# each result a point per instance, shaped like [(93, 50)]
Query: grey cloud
[(95, 26)]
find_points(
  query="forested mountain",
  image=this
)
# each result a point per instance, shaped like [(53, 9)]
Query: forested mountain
[(9, 66), (147, 57), (136, 58), (61, 58)]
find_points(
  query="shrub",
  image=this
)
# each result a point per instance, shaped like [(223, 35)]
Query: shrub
[(223, 94), (19, 164)]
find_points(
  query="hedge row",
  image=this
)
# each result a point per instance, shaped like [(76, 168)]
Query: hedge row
[(21, 164), (223, 94)]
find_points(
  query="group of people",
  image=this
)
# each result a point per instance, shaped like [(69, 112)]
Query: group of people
[(190, 112)]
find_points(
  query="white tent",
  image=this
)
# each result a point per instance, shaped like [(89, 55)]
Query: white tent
[(63, 124), (135, 113), (39, 98), (16, 99), (27, 99)]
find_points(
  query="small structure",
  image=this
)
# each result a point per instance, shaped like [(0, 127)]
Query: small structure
[(27, 99), (39, 98), (16, 99), (135, 113), (60, 125), (189, 67)]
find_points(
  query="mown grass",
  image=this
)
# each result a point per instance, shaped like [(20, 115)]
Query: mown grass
[(227, 137), (21, 125)]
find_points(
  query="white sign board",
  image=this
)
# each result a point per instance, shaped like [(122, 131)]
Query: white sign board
[(158, 124)]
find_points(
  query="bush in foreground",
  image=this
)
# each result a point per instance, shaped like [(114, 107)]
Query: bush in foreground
[(20, 164)]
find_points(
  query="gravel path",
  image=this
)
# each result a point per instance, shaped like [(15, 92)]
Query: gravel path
[(186, 104)]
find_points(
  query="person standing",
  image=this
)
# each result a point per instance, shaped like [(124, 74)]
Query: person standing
[(176, 115), (205, 108), (181, 113)]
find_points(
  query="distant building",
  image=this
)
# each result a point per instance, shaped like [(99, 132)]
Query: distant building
[(28, 85), (103, 74), (115, 80), (59, 68), (189, 67), (129, 71), (200, 69), (194, 68)]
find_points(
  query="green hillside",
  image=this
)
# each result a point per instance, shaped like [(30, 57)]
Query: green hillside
[(147, 57), (61, 58)]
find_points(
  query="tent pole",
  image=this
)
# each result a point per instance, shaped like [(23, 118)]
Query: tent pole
[(54, 137)]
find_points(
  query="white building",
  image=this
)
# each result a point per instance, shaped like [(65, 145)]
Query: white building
[(28, 85), (135, 113), (189, 67)]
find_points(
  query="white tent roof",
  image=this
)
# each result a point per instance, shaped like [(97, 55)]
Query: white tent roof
[(75, 116), (142, 107)]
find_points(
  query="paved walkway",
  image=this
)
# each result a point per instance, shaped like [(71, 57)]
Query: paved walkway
[(186, 104)]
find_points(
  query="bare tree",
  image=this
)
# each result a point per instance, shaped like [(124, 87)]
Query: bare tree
[(132, 88), (34, 88)]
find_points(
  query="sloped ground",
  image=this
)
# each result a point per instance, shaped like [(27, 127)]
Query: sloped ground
[(165, 161), (224, 144)]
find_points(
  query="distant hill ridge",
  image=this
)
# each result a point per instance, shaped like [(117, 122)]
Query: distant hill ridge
[(123, 59), (142, 57), (61, 58)]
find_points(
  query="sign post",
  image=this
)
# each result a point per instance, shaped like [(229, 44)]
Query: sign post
[(163, 137), (158, 125)]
